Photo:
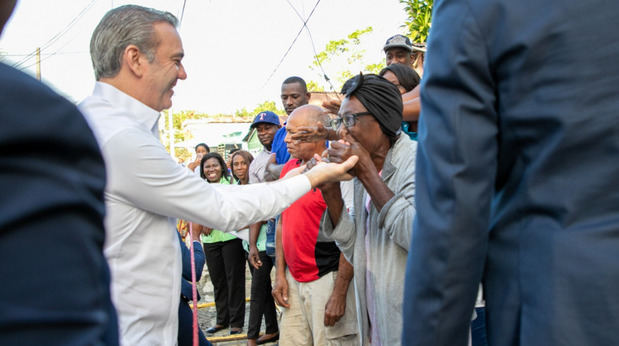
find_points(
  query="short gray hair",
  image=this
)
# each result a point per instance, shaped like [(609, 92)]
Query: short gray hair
[(120, 27)]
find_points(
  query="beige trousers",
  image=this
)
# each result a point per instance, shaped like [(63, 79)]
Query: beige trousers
[(303, 323)]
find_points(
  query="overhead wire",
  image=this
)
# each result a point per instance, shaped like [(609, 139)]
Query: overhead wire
[(309, 33), (292, 44), (56, 37), (182, 12)]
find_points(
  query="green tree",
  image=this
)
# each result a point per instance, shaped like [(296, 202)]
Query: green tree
[(345, 51), (419, 19), (268, 106)]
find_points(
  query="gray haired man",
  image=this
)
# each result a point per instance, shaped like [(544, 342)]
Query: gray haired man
[(136, 54)]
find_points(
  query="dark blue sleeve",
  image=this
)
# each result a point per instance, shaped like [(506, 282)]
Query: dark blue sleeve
[(279, 147), (55, 279), (198, 257), (455, 174)]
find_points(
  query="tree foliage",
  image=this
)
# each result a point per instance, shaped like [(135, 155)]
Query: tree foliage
[(419, 18), (342, 52)]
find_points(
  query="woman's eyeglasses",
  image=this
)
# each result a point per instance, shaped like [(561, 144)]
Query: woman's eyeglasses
[(349, 120)]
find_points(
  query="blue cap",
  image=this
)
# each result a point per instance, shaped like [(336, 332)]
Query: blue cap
[(266, 117)]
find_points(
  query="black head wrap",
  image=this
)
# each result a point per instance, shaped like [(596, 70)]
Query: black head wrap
[(380, 97)]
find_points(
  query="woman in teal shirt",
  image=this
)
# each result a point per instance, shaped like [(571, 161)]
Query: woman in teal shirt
[(261, 302), (225, 258)]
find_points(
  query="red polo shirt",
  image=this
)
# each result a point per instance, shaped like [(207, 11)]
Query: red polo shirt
[(306, 257)]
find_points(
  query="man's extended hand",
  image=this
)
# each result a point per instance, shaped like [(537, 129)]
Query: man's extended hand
[(280, 291), (325, 172), (335, 308)]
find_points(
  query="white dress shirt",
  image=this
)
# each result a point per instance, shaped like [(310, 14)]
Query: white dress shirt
[(146, 190)]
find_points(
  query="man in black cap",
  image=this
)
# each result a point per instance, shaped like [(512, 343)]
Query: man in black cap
[(400, 50), (376, 237)]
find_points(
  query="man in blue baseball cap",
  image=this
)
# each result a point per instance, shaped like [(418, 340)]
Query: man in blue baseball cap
[(266, 124)]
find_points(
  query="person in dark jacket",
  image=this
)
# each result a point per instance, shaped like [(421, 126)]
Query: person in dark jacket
[(55, 279), (517, 175)]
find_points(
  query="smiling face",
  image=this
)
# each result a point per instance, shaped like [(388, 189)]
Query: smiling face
[(212, 170), (161, 74), (240, 167)]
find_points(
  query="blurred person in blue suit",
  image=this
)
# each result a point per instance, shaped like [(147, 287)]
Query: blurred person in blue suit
[(55, 279), (517, 172)]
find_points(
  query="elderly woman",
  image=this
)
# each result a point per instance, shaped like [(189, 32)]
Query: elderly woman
[(376, 238)]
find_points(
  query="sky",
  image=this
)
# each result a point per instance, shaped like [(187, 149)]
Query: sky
[(231, 47)]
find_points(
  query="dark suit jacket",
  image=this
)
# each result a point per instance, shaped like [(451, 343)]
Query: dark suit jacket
[(54, 279), (518, 175)]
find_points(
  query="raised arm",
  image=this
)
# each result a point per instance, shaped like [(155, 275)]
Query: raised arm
[(148, 177)]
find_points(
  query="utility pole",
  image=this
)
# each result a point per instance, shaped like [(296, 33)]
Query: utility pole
[(38, 63)]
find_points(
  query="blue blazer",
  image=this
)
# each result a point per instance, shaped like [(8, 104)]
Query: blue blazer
[(55, 279), (518, 175)]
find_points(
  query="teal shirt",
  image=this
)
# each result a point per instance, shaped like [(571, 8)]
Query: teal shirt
[(261, 242), (405, 128), (217, 236)]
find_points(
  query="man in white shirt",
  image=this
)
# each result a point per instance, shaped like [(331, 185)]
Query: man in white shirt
[(136, 54)]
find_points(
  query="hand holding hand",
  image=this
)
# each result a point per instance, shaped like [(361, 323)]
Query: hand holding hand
[(325, 172), (345, 148)]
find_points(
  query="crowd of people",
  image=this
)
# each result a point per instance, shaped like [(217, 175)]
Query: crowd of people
[(384, 227)]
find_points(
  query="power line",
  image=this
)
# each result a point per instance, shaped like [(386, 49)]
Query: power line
[(292, 44), (63, 53), (57, 36), (49, 55), (309, 33)]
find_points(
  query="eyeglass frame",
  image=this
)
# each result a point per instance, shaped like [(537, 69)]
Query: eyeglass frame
[(341, 119)]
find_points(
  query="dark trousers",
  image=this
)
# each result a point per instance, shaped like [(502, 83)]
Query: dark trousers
[(478, 328), (185, 326), (262, 302), (226, 266)]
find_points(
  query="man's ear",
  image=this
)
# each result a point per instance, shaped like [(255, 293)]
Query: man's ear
[(309, 95), (134, 60)]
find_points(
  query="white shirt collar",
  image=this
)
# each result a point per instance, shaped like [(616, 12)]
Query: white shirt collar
[(138, 111)]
